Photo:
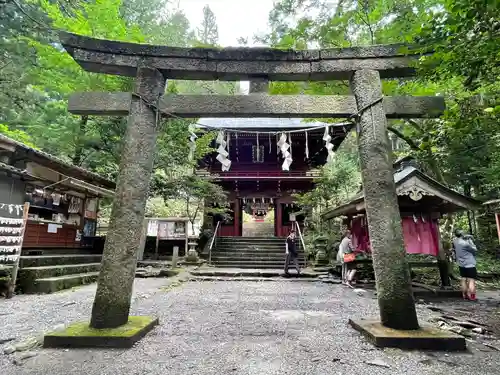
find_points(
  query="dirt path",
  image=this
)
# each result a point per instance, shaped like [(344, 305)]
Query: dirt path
[(243, 327)]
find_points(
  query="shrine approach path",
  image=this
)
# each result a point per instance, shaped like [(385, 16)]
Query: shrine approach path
[(229, 327)]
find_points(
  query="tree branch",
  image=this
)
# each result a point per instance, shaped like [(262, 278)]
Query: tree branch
[(415, 125), (22, 10), (400, 135)]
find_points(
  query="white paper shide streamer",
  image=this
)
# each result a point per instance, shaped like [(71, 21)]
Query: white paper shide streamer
[(222, 156), (328, 144), (307, 146), (13, 207), (11, 234), (9, 249), (8, 258), (284, 147)]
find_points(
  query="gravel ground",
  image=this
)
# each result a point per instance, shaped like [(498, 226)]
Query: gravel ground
[(240, 327)]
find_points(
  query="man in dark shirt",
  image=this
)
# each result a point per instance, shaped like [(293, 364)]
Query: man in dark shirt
[(291, 253)]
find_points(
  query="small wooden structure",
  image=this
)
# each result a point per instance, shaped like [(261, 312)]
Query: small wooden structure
[(493, 206), (165, 233), (63, 198), (422, 200)]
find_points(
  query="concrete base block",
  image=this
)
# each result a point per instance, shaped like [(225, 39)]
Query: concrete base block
[(80, 335), (425, 338)]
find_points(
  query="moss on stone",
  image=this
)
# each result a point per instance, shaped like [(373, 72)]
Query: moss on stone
[(82, 329)]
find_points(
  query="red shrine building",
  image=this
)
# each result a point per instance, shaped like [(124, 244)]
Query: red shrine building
[(256, 180)]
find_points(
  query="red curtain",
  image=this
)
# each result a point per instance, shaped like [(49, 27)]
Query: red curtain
[(420, 235), (360, 237)]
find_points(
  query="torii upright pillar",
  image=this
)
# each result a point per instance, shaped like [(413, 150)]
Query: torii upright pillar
[(392, 275), (111, 57), (114, 289)]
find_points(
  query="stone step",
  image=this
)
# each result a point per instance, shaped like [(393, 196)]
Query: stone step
[(56, 260), (252, 239), (55, 284), (263, 245), (29, 276), (251, 242), (223, 258), (255, 272), (253, 264), (250, 252), (54, 251), (274, 277)]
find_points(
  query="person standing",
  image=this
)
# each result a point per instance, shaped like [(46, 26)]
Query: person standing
[(465, 253), (346, 248), (291, 253)]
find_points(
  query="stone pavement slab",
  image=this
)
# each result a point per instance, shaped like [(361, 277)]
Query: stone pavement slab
[(251, 272), (240, 327)]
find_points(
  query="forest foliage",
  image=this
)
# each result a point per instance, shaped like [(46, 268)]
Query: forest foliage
[(461, 149), (37, 76)]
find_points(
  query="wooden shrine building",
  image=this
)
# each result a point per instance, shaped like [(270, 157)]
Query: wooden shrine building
[(422, 202), (256, 181), (63, 197)]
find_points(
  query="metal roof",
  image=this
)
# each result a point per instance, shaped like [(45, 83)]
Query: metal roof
[(403, 173), (60, 165), (258, 123)]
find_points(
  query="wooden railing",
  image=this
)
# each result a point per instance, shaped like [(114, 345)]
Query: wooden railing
[(213, 243), (302, 242)]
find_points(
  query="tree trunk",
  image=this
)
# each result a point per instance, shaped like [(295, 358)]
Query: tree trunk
[(114, 289), (395, 297)]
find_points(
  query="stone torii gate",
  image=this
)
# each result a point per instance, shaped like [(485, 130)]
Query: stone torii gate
[(153, 65)]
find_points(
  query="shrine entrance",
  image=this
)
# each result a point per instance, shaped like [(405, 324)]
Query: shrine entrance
[(367, 108), (258, 217)]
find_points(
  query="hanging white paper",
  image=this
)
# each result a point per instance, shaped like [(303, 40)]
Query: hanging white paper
[(18, 208), (284, 147), (222, 156), (10, 239), (8, 258), (10, 221), (153, 228), (52, 228), (307, 146), (9, 249), (328, 145)]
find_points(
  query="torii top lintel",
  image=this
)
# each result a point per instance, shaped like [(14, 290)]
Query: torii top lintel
[(233, 64)]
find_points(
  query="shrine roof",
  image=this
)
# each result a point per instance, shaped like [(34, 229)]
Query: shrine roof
[(52, 162), (410, 181), (259, 123)]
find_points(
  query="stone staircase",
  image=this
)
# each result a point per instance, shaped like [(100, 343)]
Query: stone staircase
[(252, 252), (55, 272)]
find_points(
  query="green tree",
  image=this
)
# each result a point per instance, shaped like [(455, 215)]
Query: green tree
[(199, 194), (17, 135), (208, 32)]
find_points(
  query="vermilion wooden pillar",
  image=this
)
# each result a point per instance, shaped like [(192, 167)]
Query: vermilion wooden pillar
[(279, 219), (237, 214)]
